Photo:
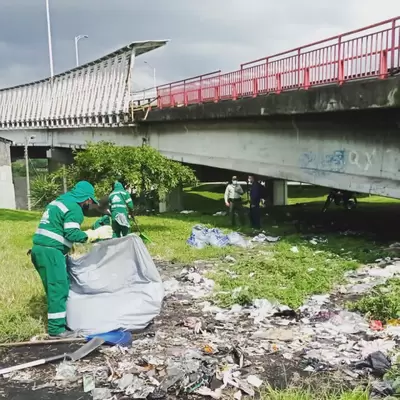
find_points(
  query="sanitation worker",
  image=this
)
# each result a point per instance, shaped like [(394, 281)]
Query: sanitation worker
[(59, 228), (120, 205)]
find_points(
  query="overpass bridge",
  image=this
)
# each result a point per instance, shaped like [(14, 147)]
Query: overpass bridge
[(325, 113)]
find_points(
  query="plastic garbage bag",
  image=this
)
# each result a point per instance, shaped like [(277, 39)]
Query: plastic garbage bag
[(202, 236), (236, 239), (377, 361), (115, 286)]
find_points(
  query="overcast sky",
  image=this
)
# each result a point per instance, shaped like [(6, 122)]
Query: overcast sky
[(205, 35)]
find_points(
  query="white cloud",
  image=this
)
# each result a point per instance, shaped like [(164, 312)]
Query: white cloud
[(205, 35)]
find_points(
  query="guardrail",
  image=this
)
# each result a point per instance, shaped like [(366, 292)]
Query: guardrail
[(369, 52)]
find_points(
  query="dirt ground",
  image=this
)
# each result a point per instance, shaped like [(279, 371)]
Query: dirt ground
[(38, 383)]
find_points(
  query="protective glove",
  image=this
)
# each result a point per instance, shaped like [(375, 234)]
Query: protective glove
[(104, 232)]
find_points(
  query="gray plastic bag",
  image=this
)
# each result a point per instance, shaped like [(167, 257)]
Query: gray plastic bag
[(116, 285)]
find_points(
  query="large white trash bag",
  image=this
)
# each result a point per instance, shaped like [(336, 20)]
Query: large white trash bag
[(116, 285)]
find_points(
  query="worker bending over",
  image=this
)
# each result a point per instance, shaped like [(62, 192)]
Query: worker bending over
[(59, 228), (120, 205)]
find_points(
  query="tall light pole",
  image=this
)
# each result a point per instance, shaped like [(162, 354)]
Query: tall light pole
[(77, 39), (49, 38), (154, 73), (28, 183)]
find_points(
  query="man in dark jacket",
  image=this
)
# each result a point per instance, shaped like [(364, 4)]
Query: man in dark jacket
[(255, 198)]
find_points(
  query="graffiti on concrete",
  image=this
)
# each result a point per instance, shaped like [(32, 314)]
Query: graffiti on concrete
[(334, 161), (362, 160)]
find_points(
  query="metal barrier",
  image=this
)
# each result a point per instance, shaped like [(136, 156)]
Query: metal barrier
[(370, 52)]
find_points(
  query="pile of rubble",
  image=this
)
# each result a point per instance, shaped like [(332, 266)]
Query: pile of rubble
[(196, 347)]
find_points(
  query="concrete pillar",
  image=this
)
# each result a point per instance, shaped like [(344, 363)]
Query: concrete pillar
[(58, 158), (7, 198), (172, 202), (279, 196)]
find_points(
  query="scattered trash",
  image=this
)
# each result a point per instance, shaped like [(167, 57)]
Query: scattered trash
[(196, 348), (254, 381), (202, 236), (294, 249), (101, 394), (88, 383), (377, 362), (220, 214), (187, 212), (260, 238), (66, 372), (376, 325)]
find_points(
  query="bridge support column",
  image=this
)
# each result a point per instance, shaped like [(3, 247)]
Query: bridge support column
[(58, 158), (279, 192), (7, 188), (173, 201)]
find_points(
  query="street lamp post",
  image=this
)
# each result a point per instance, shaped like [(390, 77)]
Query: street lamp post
[(77, 39), (28, 183), (154, 73), (49, 39)]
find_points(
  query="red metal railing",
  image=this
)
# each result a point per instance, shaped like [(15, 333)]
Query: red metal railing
[(370, 52)]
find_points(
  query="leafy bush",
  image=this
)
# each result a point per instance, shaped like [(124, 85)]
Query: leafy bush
[(142, 167), (44, 189), (382, 304), (102, 163)]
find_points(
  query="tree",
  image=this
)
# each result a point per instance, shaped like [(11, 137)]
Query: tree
[(102, 163), (141, 167)]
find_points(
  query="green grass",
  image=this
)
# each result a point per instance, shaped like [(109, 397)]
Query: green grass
[(310, 394), (382, 304), (277, 272), (282, 274)]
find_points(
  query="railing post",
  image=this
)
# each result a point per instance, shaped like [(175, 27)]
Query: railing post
[(393, 44), (340, 63), (201, 90), (278, 83), (159, 102), (171, 97), (217, 89), (234, 91), (266, 75), (306, 78), (383, 68), (255, 87), (185, 99), (241, 80), (298, 68)]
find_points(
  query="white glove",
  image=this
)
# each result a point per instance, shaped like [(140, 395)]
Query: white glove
[(104, 232)]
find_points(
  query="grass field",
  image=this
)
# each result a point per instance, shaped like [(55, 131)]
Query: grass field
[(278, 272)]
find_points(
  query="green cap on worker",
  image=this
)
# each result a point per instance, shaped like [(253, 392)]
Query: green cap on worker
[(83, 191)]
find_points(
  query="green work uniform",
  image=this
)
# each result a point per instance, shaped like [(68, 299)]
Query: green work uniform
[(59, 228), (104, 220), (120, 203)]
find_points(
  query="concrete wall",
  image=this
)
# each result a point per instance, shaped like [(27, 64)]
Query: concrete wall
[(7, 196), (354, 150), (21, 198)]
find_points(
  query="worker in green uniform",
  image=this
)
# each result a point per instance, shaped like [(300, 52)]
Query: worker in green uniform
[(59, 228), (120, 205), (103, 221)]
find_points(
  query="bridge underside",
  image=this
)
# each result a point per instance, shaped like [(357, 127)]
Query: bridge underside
[(354, 150)]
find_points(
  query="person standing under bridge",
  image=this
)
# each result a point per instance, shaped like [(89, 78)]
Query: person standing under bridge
[(59, 228), (120, 205), (256, 191), (233, 200)]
